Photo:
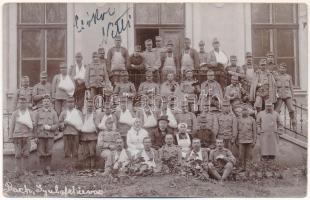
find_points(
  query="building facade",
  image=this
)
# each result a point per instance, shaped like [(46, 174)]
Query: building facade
[(39, 36)]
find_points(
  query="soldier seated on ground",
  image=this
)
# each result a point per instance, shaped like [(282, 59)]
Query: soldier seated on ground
[(169, 154), (117, 159), (150, 157), (221, 161)]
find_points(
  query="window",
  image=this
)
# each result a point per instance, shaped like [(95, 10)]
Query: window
[(41, 39), (275, 28), (166, 20)]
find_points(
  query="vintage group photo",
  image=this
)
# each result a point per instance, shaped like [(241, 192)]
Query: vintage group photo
[(155, 99)]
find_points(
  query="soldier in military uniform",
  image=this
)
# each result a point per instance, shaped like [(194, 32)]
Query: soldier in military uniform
[(184, 116), (46, 127), (211, 88), (235, 92), (96, 79), (170, 87), (263, 87), (221, 161), (285, 93), (40, 90), (227, 125), (88, 137), (169, 151), (245, 137), (20, 133), (25, 91), (125, 87), (136, 68), (207, 126), (189, 57), (271, 66), (77, 73), (233, 70), (203, 56), (249, 68), (169, 62), (117, 59), (149, 87), (190, 89)]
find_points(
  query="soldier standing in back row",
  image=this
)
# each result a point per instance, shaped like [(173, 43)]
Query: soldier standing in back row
[(77, 73), (271, 65), (263, 87), (95, 79), (25, 91), (169, 62), (40, 90), (285, 93), (189, 58), (203, 56), (117, 59)]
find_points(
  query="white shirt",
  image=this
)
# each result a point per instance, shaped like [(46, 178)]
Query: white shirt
[(79, 73), (221, 57)]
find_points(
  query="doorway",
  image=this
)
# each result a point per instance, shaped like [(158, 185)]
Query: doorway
[(143, 34)]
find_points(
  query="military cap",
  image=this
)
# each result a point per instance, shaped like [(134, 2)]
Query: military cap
[(138, 48), (222, 157), (43, 74), (210, 72), (123, 99), (201, 43), (118, 38), (78, 54), (148, 73), (236, 78), (262, 61), (270, 54), (188, 70), (124, 73), (233, 57), (47, 96), (101, 49), (164, 118), (170, 42), (148, 41), (158, 38), (268, 103), (62, 65), (248, 54), (22, 98), (95, 54), (215, 40), (283, 65), (244, 108)]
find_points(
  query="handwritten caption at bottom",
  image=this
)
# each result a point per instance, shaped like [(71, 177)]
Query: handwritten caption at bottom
[(10, 190)]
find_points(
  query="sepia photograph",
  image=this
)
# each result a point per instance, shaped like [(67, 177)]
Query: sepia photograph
[(154, 99)]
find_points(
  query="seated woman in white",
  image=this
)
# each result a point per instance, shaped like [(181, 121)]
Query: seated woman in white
[(183, 139), (135, 137)]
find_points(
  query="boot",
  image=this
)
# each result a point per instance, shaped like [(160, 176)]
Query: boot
[(293, 120), (41, 165), (25, 166), (92, 163), (18, 167), (48, 165)]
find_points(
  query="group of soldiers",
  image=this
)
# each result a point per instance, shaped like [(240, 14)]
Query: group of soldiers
[(170, 114)]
